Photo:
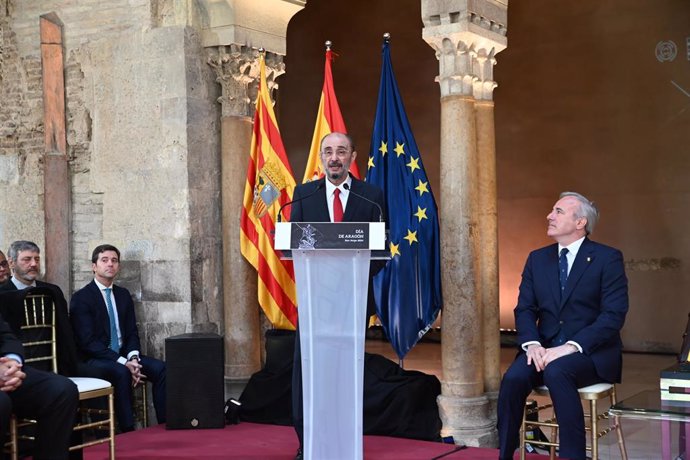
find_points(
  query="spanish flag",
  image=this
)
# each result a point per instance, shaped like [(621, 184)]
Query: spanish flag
[(328, 120), (269, 185)]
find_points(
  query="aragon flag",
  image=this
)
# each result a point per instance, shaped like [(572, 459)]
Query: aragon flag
[(408, 290), (328, 120), (269, 185)]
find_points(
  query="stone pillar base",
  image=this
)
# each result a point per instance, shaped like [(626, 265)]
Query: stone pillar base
[(468, 420), (492, 396)]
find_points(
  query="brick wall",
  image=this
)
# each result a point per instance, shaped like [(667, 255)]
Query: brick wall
[(21, 141)]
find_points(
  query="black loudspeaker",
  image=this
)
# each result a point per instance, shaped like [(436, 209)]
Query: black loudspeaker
[(194, 378)]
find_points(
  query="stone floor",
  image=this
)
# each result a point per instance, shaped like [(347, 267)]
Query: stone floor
[(640, 372)]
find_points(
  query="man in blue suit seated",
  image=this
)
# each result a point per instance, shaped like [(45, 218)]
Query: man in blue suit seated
[(105, 328), (571, 307)]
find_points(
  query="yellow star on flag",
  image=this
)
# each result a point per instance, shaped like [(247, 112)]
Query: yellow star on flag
[(399, 148), (394, 249), (370, 164), (413, 164), (422, 187), (384, 148), (421, 213), (411, 236)]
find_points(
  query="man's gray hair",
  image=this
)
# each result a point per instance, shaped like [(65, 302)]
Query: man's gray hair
[(588, 210), (19, 246)]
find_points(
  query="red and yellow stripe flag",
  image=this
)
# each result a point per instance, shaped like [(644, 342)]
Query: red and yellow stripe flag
[(269, 185), (328, 120)]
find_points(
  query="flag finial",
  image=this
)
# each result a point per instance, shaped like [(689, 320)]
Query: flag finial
[(328, 44), (262, 50), (386, 37)]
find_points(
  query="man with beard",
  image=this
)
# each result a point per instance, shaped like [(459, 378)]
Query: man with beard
[(105, 325), (338, 197), (25, 261), (48, 398)]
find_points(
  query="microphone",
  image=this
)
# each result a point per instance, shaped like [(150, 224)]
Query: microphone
[(378, 206), (318, 187)]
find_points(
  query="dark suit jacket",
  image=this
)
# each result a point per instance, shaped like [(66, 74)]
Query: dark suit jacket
[(12, 298), (9, 343), (311, 205), (89, 315), (591, 310)]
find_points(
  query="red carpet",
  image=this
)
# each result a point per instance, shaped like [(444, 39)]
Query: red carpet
[(266, 442)]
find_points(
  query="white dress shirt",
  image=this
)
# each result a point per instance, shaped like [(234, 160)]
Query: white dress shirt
[(344, 194)]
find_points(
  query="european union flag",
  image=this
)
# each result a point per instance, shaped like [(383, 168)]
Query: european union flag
[(408, 290)]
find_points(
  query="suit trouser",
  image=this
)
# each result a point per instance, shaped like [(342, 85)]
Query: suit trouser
[(121, 379), (52, 401), (563, 377)]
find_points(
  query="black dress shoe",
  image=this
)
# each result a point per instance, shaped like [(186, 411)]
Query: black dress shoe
[(299, 455)]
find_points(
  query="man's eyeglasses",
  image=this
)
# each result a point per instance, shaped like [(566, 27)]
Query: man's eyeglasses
[(340, 153), (4, 264)]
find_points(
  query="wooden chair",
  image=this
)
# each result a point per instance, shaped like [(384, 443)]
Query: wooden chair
[(141, 404), (38, 335), (593, 431)]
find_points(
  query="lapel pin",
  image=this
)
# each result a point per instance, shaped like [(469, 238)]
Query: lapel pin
[(589, 259)]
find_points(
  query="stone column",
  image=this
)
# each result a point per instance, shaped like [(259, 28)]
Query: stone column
[(237, 70), (488, 224), (465, 41)]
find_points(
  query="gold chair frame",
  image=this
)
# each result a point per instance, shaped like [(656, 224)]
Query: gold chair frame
[(141, 404), (39, 314), (592, 394)]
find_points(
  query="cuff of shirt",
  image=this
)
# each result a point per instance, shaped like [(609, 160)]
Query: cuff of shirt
[(15, 357), (132, 353), (527, 344), (122, 360), (575, 344)]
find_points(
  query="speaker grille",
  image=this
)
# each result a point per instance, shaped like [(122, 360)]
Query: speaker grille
[(195, 387)]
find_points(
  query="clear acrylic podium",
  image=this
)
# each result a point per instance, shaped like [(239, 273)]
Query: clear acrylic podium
[(331, 262)]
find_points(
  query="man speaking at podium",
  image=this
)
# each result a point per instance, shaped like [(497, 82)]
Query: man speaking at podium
[(338, 197)]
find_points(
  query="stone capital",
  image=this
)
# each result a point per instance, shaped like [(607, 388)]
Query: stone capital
[(256, 23), (237, 71), (466, 35)]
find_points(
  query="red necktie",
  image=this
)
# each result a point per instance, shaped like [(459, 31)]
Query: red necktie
[(337, 206)]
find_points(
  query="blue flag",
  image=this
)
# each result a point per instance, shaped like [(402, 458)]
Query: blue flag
[(408, 290)]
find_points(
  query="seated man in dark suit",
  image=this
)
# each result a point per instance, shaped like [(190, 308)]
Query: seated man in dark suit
[(338, 197), (112, 345), (25, 261), (571, 307), (48, 398)]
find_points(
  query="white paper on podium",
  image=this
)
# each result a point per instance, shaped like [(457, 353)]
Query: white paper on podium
[(332, 288)]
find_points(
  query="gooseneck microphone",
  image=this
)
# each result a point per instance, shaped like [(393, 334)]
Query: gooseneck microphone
[(378, 206), (318, 187)]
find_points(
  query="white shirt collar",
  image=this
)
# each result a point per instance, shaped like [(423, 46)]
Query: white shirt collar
[(101, 286), (20, 286), (330, 187), (572, 247)]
